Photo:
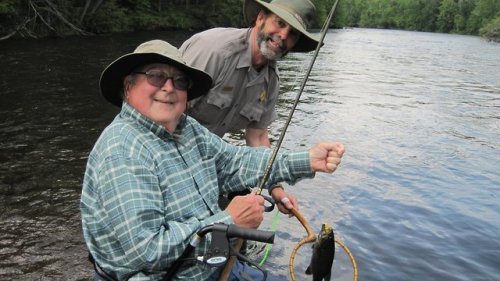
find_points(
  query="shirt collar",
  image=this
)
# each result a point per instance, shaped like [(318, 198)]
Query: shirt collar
[(128, 112)]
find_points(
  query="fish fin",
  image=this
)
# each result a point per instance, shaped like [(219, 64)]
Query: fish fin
[(309, 270)]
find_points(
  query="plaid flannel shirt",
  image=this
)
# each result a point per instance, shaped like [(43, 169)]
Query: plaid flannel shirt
[(146, 192)]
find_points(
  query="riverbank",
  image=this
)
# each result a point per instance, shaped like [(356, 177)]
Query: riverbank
[(44, 18), (491, 31)]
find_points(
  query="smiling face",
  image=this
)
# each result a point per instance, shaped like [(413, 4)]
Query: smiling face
[(163, 104), (275, 37)]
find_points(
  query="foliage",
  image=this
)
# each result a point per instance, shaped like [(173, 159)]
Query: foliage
[(8, 10), (483, 13), (349, 14), (37, 18), (446, 19), (225, 13), (7, 7), (110, 18), (492, 30)]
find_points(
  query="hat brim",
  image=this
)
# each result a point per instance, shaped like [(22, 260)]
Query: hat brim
[(307, 41), (111, 81)]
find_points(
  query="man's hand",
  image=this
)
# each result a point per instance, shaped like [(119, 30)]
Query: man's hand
[(247, 211), (284, 201), (325, 157)]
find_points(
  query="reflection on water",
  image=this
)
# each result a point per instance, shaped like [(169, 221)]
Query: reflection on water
[(416, 197)]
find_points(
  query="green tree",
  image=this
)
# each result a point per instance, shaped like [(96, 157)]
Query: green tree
[(465, 8), (349, 13), (418, 14), (373, 14), (8, 20), (446, 19), (484, 12), (492, 30), (110, 17)]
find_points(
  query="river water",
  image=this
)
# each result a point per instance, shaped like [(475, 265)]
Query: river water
[(415, 198)]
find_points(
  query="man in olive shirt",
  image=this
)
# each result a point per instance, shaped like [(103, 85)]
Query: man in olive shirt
[(242, 64)]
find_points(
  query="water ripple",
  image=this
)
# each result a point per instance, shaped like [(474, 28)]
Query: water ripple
[(415, 198)]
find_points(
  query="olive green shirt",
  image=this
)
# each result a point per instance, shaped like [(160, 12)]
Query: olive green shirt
[(238, 98)]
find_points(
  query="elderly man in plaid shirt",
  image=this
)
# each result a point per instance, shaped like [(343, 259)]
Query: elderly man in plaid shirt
[(154, 175)]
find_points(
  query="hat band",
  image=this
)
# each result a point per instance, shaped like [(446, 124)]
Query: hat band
[(295, 15)]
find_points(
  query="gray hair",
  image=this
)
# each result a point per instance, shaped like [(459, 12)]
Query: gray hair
[(128, 82)]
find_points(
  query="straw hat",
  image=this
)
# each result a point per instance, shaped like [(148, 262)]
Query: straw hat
[(154, 51), (297, 13)]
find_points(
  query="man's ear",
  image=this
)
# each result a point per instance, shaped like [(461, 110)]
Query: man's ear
[(261, 17), (127, 84)]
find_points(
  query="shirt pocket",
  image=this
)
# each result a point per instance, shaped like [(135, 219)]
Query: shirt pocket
[(220, 99), (212, 109), (253, 111)]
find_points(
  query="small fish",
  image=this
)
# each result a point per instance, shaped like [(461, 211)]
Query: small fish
[(323, 254)]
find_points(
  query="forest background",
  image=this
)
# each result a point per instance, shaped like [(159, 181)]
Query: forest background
[(46, 18)]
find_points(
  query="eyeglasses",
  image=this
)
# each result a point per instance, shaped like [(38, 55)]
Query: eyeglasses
[(158, 78)]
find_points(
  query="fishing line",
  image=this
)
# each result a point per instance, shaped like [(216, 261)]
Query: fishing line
[(267, 172), (274, 226)]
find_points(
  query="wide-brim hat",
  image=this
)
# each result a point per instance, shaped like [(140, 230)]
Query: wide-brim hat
[(297, 13), (154, 51)]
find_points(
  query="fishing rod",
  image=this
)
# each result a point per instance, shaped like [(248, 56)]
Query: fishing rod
[(324, 29), (310, 237)]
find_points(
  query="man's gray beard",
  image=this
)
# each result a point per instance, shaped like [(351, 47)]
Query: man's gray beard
[(265, 50)]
